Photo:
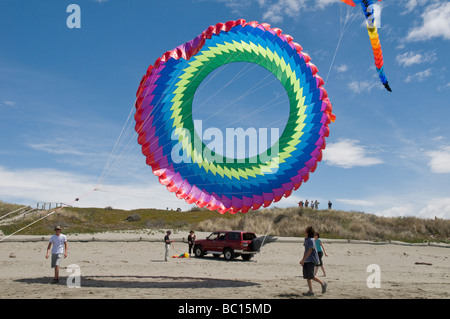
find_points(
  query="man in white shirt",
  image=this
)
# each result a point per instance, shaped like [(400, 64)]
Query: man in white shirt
[(59, 242)]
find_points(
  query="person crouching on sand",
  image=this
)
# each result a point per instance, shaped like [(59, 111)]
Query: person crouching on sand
[(59, 242), (309, 261)]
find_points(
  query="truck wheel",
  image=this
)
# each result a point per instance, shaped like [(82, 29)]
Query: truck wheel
[(228, 254), (198, 251), (247, 257)]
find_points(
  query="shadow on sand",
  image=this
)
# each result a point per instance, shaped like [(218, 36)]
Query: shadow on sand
[(150, 282)]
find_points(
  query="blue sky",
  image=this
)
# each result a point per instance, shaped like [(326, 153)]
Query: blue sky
[(66, 94)]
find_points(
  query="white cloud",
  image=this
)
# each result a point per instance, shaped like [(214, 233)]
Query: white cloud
[(342, 68), (41, 185), (411, 58), (437, 138), (437, 207), (72, 151), (444, 87), (398, 211), (435, 23), (324, 3), (440, 160), (8, 103), (356, 202), (276, 11), (419, 76), (59, 148), (30, 186), (347, 154), (412, 202), (363, 86), (409, 6)]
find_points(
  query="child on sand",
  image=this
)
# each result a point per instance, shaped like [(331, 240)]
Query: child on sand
[(309, 261), (320, 251)]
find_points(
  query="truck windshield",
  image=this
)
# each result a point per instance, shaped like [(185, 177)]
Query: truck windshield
[(212, 236)]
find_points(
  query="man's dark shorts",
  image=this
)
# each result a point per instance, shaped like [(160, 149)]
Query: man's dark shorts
[(308, 270)]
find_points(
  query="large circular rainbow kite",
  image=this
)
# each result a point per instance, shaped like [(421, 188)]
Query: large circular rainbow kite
[(164, 119)]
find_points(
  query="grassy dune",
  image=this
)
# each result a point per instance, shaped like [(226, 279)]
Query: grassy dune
[(274, 221), (337, 224)]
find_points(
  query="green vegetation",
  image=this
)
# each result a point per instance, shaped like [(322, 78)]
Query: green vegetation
[(291, 222), (94, 220), (288, 222)]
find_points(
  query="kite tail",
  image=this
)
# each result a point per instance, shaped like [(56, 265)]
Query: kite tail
[(378, 55), (375, 41)]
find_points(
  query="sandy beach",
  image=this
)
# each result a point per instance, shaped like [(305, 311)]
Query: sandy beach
[(131, 265)]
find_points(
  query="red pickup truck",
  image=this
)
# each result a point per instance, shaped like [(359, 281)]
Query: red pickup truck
[(230, 243)]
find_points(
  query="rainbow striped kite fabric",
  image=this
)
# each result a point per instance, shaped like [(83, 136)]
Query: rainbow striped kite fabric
[(164, 120)]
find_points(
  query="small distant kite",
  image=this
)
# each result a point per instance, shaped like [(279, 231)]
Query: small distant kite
[(367, 7)]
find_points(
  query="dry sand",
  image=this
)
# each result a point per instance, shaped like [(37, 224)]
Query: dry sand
[(129, 268)]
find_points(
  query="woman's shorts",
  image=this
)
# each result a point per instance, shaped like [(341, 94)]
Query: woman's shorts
[(320, 253), (308, 270), (56, 260)]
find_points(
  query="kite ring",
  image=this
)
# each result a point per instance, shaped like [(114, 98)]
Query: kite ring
[(164, 119)]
